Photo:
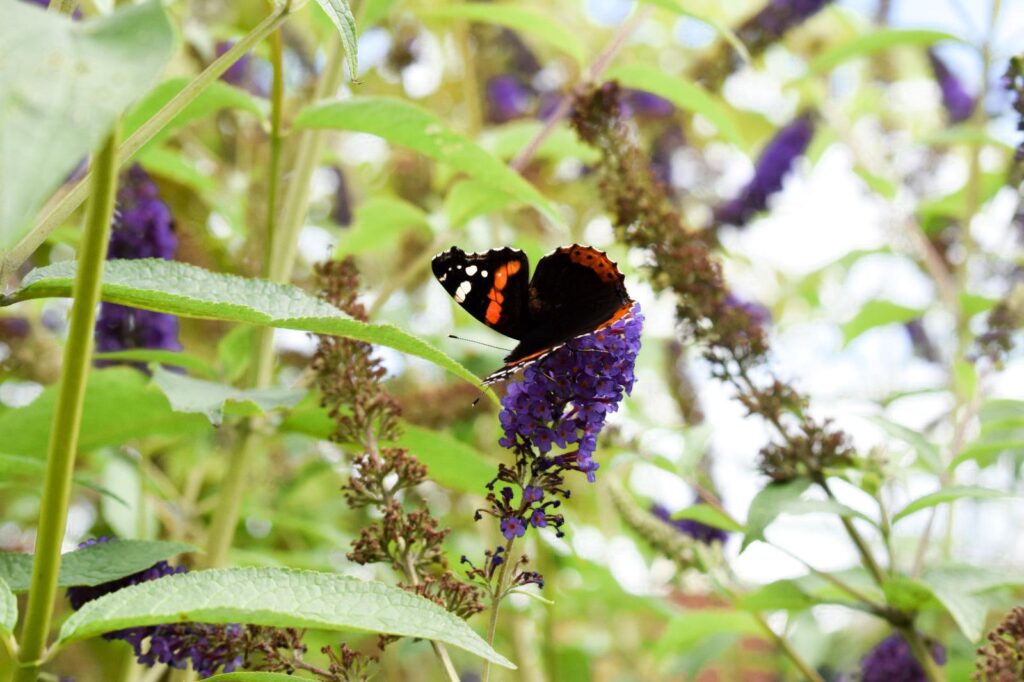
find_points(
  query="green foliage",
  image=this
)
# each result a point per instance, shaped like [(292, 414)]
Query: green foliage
[(451, 462), (340, 15), (213, 400), (945, 496), (62, 84), (95, 564), (873, 43), (8, 609), (876, 314), (531, 22), (285, 598)]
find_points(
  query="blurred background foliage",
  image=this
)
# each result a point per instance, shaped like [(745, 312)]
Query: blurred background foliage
[(856, 173)]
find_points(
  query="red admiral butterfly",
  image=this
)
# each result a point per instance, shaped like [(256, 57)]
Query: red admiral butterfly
[(575, 290)]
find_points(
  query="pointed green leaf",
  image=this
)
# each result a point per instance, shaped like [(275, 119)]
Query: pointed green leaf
[(876, 314), (685, 94), (947, 495), (528, 21), (8, 609), (93, 565), (709, 516), (872, 43), (341, 16), (768, 504), (62, 84), (412, 126), (278, 597), (187, 394), (26, 430), (182, 289)]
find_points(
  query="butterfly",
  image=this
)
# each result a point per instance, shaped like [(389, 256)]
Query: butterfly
[(575, 290)]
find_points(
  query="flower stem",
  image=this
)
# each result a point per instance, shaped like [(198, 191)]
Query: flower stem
[(496, 597), (787, 649), (61, 209), (67, 417), (931, 669), (276, 109)]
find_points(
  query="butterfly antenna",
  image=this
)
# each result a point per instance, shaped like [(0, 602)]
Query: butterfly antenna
[(479, 343)]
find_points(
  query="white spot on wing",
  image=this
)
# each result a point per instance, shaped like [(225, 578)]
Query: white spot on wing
[(463, 291), (442, 277), (483, 273), (471, 270)]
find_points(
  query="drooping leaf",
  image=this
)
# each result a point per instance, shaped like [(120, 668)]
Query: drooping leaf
[(379, 222), (709, 516), (685, 94), (946, 496), (877, 313), (62, 84), (873, 43), (8, 609), (449, 461), (468, 199), (26, 430), (412, 126), (212, 399), (215, 97), (190, 291), (530, 22), (95, 564), (340, 15), (278, 597), (768, 504)]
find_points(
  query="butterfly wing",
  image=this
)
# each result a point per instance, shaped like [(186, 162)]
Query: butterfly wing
[(491, 286)]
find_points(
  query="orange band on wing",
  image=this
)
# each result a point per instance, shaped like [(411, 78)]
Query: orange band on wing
[(493, 313)]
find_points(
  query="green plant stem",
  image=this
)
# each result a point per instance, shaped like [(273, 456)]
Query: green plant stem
[(276, 110), (60, 210), (68, 414), (931, 669), (788, 651), (296, 196), (496, 598)]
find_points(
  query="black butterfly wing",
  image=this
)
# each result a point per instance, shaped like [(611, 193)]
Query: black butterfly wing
[(574, 290), (490, 286)]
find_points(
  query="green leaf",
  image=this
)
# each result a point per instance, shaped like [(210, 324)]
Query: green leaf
[(62, 84), (215, 97), (468, 199), (190, 291), (379, 222), (93, 565), (242, 676), (34, 468), (781, 595), (935, 211), (278, 597), (174, 165), (505, 141), (213, 399), (341, 16), (965, 591), (877, 313), (26, 430), (965, 380), (905, 593), (411, 126), (234, 351), (946, 495), (927, 451), (985, 452), (709, 516), (164, 357), (965, 133), (449, 461), (872, 43), (536, 24), (768, 504), (8, 609), (690, 628), (685, 94)]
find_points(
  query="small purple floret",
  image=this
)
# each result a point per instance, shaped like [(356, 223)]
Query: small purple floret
[(958, 102), (507, 99)]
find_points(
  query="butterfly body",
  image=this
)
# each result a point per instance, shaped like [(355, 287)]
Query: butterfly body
[(574, 291)]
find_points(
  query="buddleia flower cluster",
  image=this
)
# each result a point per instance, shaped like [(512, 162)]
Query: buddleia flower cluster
[(773, 165), (959, 103), (1001, 659), (143, 228), (891, 660)]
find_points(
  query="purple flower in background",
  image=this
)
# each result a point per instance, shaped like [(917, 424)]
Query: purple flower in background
[(645, 104), (239, 72), (695, 529), (208, 648), (1014, 80), (774, 163), (76, 15), (958, 102), (143, 228), (892, 661), (507, 99), (774, 20)]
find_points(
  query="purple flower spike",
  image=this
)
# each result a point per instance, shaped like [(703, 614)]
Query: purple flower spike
[(507, 99), (645, 104), (892, 661), (775, 20), (958, 102), (772, 166), (695, 529), (143, 228)]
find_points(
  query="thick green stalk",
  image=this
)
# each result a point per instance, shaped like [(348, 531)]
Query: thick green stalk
[(274, 177), (61, 209), (932, 670), (68, 416)]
